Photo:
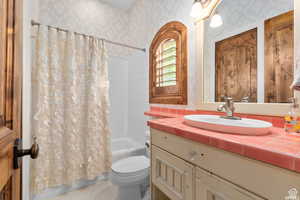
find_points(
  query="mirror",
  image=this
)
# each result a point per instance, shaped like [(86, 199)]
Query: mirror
[(249, 51)]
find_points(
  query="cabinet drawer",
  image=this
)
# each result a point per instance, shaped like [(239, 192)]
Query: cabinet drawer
[(183, 148), (173, 176), (5, 165), (209, 186)]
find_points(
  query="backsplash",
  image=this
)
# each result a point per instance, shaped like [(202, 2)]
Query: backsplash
[(172, 112)]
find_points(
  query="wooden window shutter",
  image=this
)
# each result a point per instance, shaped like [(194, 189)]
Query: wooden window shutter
[(168, 65)]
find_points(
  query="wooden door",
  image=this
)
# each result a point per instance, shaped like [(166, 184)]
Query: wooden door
[(279, 58), (171, 175), (10, 95), (236, 67), (211, 187)]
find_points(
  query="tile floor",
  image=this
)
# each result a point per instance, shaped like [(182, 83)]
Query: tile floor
[(102, 190)]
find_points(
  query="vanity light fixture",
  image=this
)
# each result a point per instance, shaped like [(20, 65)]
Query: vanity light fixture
[(216, 21), (203, 9), (196, 9)]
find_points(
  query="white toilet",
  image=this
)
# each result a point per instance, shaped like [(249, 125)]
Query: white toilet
[(130, 174)]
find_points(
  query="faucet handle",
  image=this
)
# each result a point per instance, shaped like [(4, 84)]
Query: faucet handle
[(245, 99), (226, 98)]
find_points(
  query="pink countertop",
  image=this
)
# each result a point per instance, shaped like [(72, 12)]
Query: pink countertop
[(278, 148)]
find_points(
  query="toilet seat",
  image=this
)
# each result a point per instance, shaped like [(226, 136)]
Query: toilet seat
[(131, 166), (130, 171)]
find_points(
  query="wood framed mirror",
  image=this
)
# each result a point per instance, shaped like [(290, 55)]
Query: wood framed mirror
[(286, 52)]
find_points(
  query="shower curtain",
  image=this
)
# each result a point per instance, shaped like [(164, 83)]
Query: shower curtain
[(69, 108)]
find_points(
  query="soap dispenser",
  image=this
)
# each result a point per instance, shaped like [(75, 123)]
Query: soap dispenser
[(292, 123)]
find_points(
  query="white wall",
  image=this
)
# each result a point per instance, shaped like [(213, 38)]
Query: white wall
[(90, 17), (118, 94), (146, 18), (137, 96), (30, 11)]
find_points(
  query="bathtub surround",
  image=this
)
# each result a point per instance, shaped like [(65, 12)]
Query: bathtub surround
[(69, 109), (124, 147)]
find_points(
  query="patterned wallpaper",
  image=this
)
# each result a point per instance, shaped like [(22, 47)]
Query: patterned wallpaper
[(90, 17), (146, 18)]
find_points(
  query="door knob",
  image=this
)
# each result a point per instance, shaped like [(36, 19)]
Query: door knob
[(33, 152)]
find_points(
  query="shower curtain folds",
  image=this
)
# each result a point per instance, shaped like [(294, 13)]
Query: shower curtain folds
[(69, 108)]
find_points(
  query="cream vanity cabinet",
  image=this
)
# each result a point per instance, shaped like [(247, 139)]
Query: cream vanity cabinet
[(185, 170), (211, 187), (172, 175)]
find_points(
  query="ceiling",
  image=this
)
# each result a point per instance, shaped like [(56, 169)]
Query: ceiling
[(123, 4)]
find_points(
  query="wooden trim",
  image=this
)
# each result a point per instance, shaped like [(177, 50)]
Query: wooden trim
[(17, 77), (170, 94), (4, 132), (3, 39)]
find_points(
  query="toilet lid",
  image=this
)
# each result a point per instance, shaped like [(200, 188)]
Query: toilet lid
[(131, 164)]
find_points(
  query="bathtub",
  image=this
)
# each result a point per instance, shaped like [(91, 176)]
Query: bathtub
[(125, 147)]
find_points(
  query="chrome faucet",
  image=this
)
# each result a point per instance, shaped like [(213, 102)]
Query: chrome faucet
[(229, 108)]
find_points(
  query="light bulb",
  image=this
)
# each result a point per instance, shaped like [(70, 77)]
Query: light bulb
[(196, 9), (216, 21)]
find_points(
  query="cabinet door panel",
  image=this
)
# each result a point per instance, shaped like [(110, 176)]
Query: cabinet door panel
[(171, 175), (211, 187)]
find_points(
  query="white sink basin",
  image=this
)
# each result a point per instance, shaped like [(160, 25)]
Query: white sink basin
[(216, 123)]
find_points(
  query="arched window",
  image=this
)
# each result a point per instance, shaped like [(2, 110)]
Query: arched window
[(168, 65)]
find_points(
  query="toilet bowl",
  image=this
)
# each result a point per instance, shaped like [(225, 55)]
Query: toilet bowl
[(129, 175)]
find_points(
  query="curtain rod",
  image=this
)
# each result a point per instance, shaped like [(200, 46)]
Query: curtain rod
[(34, 23)]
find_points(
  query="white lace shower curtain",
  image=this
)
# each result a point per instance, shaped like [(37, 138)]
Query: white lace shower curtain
[(69, 109)]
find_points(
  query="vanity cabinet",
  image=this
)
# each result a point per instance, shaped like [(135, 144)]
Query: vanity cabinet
[(183, 169), (173, 176), (211, 187)]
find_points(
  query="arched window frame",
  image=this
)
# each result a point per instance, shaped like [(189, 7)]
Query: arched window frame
[(175, 94)]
